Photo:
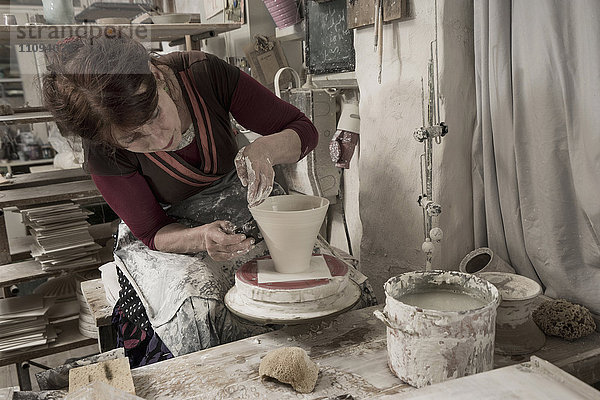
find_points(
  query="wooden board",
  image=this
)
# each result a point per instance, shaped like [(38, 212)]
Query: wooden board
[(533, 380), (362, 12)]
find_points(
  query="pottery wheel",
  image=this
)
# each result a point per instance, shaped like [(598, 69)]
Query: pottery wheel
[(292, 302)]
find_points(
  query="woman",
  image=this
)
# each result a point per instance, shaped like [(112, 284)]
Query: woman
[(160, 148)]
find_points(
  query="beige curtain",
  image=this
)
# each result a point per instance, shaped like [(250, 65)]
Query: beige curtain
[(536, 148)]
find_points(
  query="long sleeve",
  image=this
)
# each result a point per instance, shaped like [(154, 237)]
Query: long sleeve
[(133, 201), (259, 110)]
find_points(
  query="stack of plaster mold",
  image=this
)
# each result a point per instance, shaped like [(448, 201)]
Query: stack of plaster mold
[(290, 365), (564, 319)]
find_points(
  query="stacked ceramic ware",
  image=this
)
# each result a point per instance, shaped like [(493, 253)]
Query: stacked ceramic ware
[(284, 12)]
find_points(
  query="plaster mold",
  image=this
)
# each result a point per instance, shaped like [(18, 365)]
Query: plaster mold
[(427, 346), (516, 333), (292, 302), (246, 281), (290, 225)]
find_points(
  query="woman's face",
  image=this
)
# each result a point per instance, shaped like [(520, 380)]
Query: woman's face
[(161, 133)]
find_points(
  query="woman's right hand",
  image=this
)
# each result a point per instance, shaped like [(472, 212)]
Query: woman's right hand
[(221, 243)]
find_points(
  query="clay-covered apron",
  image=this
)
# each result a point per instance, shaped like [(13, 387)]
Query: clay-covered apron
[(183, 294)]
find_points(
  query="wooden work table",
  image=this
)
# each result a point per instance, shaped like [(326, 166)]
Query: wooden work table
[(350, 350)]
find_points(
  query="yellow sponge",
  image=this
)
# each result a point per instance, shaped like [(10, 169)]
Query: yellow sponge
[(113, 372), (290, 365)]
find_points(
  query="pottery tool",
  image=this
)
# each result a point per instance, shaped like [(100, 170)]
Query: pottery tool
[(250, 229), (292, 285), (376, 25), (379, 39), (432, 129)]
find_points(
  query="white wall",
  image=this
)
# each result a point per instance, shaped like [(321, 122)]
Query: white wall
[(258, 21), (389, 156)]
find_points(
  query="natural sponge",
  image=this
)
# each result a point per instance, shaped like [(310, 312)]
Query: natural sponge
[(290, 365), (564, 319)]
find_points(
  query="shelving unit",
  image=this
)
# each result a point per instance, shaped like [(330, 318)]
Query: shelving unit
[(69, 338), (36, 189), (26, 118), (64, 185), (9, 164)]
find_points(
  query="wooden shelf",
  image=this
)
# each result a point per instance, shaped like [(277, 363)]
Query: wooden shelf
[(11, 80), (48, 194), (26, 118), (69, 338), (51, 34), (45, 178), (16, 163), (24, 271)]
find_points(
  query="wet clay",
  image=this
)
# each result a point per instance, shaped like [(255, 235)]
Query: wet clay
[(442, 300)]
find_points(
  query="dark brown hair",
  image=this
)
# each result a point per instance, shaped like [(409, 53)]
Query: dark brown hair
[(98, 84)]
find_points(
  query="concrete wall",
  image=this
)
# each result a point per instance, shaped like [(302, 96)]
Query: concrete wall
[(389, 167)]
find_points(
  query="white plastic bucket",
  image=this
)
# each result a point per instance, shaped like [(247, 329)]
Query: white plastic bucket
[(427, 346)]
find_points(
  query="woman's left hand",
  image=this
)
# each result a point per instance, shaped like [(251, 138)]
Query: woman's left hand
[(255, 169)]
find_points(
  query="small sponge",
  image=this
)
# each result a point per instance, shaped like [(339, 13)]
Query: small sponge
[(290, 365), (564, 319), (116, 373)]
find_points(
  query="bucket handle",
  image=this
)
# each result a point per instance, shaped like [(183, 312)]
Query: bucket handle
[(382, 315)]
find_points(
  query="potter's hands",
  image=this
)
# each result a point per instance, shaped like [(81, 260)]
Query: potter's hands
[(255, 170), (221, 243)]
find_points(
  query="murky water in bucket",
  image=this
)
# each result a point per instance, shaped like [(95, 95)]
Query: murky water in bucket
[(442, 300)]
